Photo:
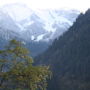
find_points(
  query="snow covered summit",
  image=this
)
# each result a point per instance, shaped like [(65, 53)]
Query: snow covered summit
[(36, 25)]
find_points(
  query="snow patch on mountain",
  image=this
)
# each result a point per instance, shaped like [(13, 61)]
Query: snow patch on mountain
[(40, 37)]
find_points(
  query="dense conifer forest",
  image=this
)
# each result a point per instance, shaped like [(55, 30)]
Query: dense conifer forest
[(69, 57)]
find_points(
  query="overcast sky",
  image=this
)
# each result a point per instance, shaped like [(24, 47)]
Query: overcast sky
[(81, 5)]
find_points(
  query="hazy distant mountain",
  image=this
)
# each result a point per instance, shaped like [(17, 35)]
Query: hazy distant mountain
[(69, 57), (37, 28), (7, 22), (36, 25)]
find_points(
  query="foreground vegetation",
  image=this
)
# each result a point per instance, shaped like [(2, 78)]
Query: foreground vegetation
[(17, 71)]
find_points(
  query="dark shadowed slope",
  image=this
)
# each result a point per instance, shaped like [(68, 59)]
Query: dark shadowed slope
[(69, 57)]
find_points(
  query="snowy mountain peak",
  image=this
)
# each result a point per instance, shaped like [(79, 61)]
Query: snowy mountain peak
[(6, 22), (17, 11), (36, 25)]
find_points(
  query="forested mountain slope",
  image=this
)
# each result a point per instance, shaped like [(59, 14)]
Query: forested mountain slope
[(69, 57)]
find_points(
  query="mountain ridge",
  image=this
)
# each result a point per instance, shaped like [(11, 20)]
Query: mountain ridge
[(38, 21)]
